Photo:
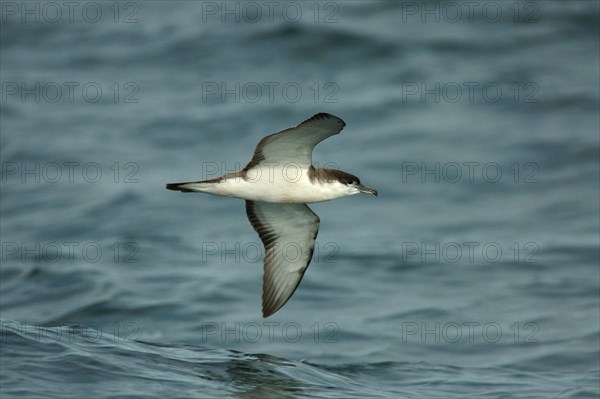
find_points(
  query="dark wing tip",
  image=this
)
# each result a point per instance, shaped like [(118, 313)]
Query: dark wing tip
[(267, 311), (273, 301), (270, 304), (324, 116)]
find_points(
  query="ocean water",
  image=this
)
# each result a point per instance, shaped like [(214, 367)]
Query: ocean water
[(475, 273)]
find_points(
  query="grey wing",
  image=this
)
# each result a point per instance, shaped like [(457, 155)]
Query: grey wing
[(288, 232), (297, 143)]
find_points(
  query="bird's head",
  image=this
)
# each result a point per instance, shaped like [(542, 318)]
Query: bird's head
[(352, 184)]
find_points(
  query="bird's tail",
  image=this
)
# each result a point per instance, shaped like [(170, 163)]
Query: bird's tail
[(193, 186)]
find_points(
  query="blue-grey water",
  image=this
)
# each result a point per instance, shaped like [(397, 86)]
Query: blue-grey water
[(475, 273)]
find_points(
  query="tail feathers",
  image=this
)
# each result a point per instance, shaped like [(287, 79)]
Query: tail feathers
[(189, 187), (194, 186), (179, 187)]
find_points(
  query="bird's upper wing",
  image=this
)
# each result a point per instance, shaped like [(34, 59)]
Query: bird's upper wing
[(288, 232), (295, 145)]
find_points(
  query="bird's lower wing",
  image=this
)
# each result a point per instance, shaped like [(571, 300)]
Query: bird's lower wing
[(288, 232)]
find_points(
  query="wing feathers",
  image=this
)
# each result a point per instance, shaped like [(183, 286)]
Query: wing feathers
[(288, 232), (297, 143)]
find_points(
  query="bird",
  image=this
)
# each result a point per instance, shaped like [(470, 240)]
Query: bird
[(277, 184)]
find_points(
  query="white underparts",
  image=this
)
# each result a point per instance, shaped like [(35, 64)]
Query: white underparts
[(279, 185)]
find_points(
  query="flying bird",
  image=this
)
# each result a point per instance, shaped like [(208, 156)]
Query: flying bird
[(277, 184)]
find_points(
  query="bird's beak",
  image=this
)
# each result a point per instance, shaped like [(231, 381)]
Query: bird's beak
[(367, 190)]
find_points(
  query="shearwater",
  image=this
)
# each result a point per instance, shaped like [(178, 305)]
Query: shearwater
[(277, 184)]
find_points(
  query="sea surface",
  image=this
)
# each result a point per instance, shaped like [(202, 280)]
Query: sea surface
[(475, 273)]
